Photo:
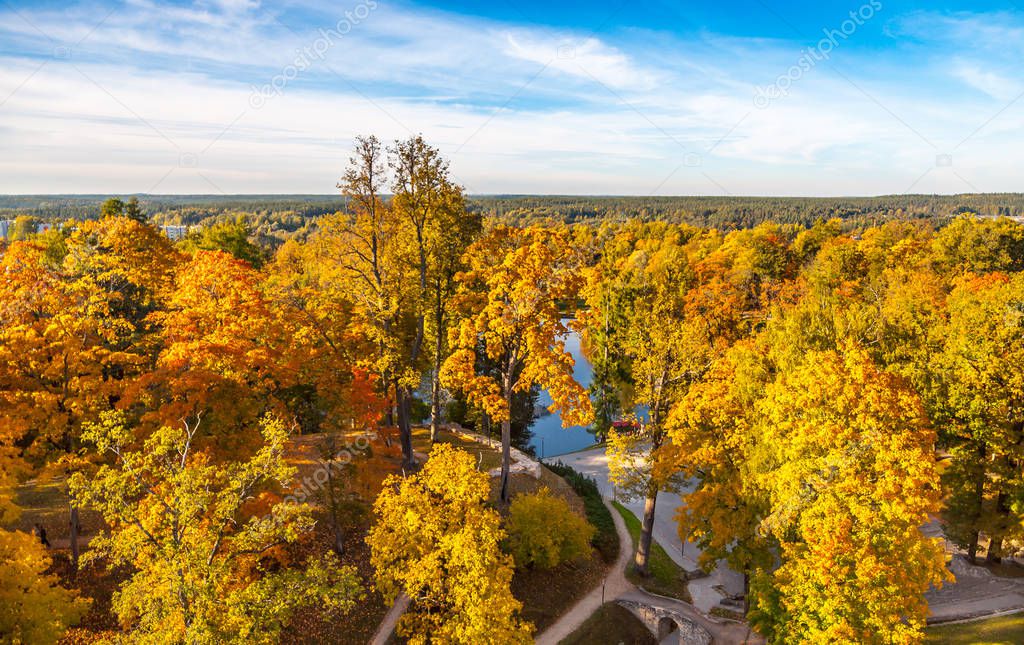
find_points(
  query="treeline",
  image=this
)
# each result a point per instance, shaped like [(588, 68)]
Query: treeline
[(60, 207), (275, 218), (745, 212), (271, 219)]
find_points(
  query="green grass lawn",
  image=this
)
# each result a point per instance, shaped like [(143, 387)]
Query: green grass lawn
[(611, 623), (1008, 630), (667, 578)]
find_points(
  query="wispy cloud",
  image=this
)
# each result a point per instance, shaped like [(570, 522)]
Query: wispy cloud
[(987, 80), (587, 59)]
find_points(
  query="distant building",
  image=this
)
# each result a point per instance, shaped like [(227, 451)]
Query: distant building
[(174, 233), (43, 227), (5, 228)]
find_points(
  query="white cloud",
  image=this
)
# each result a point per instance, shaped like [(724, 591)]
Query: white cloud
[(588, 59), (986, 80), (676, 116)]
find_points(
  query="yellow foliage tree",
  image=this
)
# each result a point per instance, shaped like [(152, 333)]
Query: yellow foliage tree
[(650, 279), (368, 259), (437, 541), (545, 532), (201, 538), (133, 262), (850, 470), (713, 427), (510, 299), (34, 608), (61, 345), (982, 373)]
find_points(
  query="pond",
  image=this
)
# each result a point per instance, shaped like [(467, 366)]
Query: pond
[(549, 437)]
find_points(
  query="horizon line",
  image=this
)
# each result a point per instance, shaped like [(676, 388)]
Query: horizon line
[(517, 195)]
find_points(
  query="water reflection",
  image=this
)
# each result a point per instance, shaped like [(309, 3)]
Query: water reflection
[(549, 437)]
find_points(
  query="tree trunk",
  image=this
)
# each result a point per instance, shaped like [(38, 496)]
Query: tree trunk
[(995, 546), (435, 408), (339, 541), (643, 549), (972, 548), (979, 496), (73, 528), (506, 440), (405, 427), (435, 381), (995, 550), (389, 414), (333, 503), (746, 592)]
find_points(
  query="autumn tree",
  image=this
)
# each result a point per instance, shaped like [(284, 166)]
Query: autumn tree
[(983, 410), (205, 541), (396, 260), (368, 247), (333, 390), (437, 540), (873, 299), (849, 467), (655, 280), (510, 298), (434, 209), (714, 427), (225, 351), (23, 229), (34, 607), (60, 344), (133, 263), (969, 243), (545, 532)]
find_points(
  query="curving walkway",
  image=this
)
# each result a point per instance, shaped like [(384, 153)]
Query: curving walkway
[(616, 586), (704, 590), (612, 587)]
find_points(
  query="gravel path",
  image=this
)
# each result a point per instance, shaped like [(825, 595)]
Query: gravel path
[(594, 463), (614, 586)]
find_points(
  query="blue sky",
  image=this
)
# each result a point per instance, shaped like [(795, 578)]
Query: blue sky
[(756, 97)]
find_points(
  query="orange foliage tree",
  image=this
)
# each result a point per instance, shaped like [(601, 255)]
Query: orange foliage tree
[(225, 350), (59, 358)]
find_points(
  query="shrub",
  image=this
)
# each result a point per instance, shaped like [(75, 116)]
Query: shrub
[(544, 531), (607, 539)]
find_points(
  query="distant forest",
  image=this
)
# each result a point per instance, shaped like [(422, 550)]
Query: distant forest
[(280, 216), (745, 212)]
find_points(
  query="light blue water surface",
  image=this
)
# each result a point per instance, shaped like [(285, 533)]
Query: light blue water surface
[(549, 437)]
